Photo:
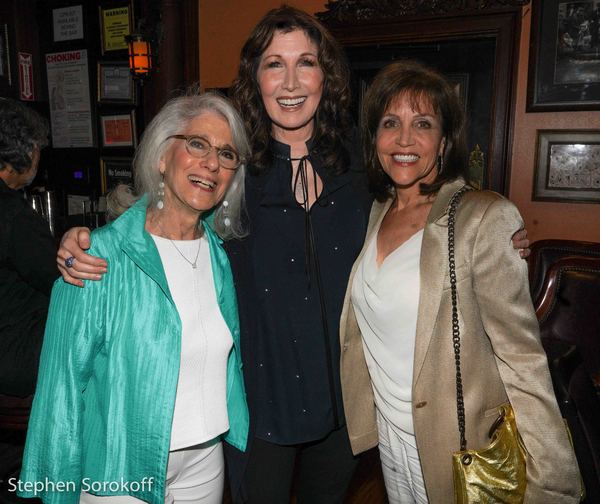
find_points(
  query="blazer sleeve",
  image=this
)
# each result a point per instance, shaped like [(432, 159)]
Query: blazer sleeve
[(73, 337), (502, 291)]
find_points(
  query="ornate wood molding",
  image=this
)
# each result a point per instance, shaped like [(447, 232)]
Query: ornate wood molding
[(360, 11)]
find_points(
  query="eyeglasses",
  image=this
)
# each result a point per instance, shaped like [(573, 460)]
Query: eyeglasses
[(200, 148)]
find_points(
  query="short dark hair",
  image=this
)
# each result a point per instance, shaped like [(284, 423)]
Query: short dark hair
[(421, 85), (22, 131), (333, 121)]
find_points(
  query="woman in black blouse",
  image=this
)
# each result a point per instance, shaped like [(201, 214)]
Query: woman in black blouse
[(308, 207)]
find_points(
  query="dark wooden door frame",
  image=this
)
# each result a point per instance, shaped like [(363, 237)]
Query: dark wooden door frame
[(174, 26), (503, 25)]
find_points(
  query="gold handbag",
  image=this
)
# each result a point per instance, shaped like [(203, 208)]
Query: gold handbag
[(495, 474)]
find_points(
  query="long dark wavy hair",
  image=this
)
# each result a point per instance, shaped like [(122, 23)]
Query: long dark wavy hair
[(422, 85), (332, 119)]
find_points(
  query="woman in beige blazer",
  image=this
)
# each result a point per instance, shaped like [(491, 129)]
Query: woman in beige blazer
[(416, 160)]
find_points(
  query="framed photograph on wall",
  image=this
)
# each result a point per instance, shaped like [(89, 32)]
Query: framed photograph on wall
[(118, 130), (115, 83), (564, 56), (114, 171), (567, 166), (115, 25)]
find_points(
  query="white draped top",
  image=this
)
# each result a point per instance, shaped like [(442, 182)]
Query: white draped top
[(386, 303)]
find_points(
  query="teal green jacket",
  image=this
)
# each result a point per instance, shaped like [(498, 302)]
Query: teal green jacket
[(102, 413)]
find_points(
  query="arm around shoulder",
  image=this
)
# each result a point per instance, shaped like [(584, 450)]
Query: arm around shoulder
[(84, 266)]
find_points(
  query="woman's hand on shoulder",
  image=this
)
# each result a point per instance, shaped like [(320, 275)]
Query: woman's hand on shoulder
[(521, 243), (74, 264)]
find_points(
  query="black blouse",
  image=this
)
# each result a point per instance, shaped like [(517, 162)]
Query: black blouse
[(290, 304)]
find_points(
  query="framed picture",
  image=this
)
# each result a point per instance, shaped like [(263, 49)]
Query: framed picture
[(115, 25), (564, 57), (114, 171), (118, 130), (567, 166), (115, 83)]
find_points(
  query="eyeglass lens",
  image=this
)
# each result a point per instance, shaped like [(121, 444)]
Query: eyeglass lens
[(199, 147)]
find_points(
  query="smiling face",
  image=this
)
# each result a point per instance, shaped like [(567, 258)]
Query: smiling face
[(408, 143), (291, 83), (194, 185)]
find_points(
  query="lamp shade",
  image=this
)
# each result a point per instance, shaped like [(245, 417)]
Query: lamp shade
[(140, 56)]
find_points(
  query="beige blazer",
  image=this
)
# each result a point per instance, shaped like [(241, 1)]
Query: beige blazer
[(502, 358)]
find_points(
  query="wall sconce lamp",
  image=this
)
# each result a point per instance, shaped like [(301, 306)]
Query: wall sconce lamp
[(140, 56)]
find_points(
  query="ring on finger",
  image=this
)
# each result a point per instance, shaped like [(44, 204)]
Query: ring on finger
[(69, 261)]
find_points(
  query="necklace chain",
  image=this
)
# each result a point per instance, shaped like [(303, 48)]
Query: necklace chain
[(192, 264)]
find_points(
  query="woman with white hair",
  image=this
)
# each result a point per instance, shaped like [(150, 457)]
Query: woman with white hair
[(139, 380)]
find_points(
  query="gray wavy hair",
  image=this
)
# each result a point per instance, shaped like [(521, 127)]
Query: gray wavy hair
[(175, 115), (22, 131)]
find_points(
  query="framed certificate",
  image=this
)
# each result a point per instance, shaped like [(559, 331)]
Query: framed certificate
[(567, 166), (118, 130), (115, 83)]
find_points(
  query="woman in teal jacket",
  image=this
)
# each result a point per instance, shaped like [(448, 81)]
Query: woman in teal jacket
[(118, 354)]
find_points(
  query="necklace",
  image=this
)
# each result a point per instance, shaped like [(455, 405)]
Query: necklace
[(192, 264)]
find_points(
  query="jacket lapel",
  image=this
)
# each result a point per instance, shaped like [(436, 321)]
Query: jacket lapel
[(433, 267), (378, 212), (139, 246), (220, 270)]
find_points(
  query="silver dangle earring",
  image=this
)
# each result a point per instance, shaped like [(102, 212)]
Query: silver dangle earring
[(440, 163), (160, 204), (226, 219)]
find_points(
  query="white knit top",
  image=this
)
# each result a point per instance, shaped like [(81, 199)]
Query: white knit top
[(200, 405), (386, 303)]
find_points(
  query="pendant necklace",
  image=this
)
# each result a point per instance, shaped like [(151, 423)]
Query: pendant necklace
[(192, 264)]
